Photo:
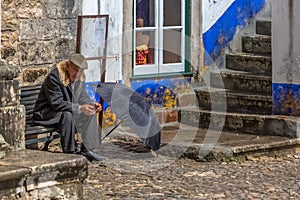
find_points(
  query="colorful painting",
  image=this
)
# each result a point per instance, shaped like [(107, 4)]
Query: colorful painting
[(286, 99)]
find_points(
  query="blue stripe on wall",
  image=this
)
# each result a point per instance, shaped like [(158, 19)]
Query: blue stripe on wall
[(223, 31)]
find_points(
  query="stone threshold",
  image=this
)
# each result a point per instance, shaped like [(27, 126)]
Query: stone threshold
[(224, 146), (200, 144), (40, 175)]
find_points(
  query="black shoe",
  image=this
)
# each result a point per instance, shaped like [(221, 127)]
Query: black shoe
[(77, 149), (91, 156)]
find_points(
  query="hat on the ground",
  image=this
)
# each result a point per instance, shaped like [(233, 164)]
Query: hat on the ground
[(78, 60)]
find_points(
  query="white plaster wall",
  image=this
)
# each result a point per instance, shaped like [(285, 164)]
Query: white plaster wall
[(89, 7), (266, 12), (285, 42), (212, 10), (114, 44)]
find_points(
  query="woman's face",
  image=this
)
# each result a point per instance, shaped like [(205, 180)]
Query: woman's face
[(74, 72)]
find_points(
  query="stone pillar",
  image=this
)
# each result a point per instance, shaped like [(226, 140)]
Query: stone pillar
[(196, 39), (12, 113), (286, 57), (127, 41)]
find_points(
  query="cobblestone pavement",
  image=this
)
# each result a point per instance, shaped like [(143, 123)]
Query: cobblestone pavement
[(128, 174)]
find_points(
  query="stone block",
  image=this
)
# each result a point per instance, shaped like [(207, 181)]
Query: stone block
[(167, 115), (8, 52), (30, 9), (239, 81), (39, 29), (285, 126), (10, 93), (256, 44), (186, 99), (37, 52), (62, 9), (64, 47), (260, 65), (12, 180), (171, 116), (68, 28), (34, 75), (263, 27), (10, 25), (32, 174), (12, 125), (9, 38), (231, 101)]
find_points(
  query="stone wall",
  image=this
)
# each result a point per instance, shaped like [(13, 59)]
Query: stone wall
[(36, 34), (12, 113)]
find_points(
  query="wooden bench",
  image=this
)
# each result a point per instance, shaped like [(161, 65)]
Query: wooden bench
[(35, 133)]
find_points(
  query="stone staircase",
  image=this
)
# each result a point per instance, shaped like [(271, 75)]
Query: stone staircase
[(239, 97)]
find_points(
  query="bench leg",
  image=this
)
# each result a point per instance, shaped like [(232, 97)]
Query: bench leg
[(46, 147), (47, 143)]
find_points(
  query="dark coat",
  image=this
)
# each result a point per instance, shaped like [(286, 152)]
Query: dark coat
[(57, 96)]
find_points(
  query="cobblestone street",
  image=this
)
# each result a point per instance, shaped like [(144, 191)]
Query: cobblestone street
[(126, 174)]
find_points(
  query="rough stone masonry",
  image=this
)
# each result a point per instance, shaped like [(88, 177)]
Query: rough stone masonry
[(37, 34)]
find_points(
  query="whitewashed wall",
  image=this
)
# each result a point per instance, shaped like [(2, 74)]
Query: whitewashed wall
[(212, 10)]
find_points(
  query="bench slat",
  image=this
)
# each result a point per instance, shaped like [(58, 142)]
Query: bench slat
[(44, 139), (33, 130), (28, 100), (29, 93), (31, 87), (29, 107), (29, 112)]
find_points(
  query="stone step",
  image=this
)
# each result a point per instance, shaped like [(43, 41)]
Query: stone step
[(42, 175), (241, 81), (257, 44), (210, 145), (231, 101), (263, 27), (256, 64), (275, 125)]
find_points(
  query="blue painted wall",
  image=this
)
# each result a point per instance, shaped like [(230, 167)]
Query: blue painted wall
[(161, 93), (223, 31)]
